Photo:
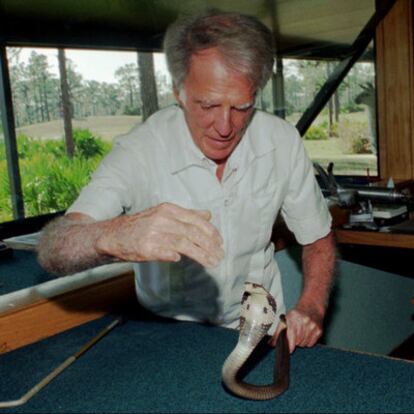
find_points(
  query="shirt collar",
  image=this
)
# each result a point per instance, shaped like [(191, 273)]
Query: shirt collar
[(185, 153)]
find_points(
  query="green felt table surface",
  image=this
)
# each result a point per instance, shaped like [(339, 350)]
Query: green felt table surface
[(165, 366), (20, 271)]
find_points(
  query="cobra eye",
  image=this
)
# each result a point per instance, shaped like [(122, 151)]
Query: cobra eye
[(244, 297)]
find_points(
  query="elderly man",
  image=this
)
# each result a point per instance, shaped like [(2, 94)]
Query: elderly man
[(190, 196)]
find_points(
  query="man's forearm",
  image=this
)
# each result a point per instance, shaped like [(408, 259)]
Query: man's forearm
[(318, 267), (305, 320), (68, 246), (163, 233)]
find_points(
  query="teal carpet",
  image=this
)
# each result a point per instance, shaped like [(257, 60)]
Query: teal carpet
[(163, 366), (21, 271)]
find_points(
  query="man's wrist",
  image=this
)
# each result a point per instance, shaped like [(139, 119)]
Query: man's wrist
[(313, 308)]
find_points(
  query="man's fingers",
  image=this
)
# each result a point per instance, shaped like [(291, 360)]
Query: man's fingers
[(169, 247), (308, 332), (291, 336), (303, 330), (279, 329), (168, 255), (184, 237), (205, 214), (312, 336), (185, 246), (297, 336), (199, 218), (192, 226), (200, 239)]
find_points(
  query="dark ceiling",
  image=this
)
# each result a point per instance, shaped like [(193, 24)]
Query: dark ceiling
[(303, 28)]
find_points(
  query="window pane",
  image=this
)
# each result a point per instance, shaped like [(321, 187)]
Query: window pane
[(100, 99), (6, 211), (345, 131), (104, 100)]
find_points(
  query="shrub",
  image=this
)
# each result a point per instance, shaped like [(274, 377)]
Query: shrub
[(351, 107), (316, 132), (87, 145), (2, 150), (354, 138), (132, 110), (335, 130), (28, 147), (54, 147), (50, 180), (6, 211), (361, 145), (52, 186)]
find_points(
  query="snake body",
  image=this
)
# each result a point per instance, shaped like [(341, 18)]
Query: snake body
[(258, 311)]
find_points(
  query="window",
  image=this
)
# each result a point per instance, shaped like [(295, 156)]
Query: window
[(345, 131), (69, 105), (5, 196), (64, 128)]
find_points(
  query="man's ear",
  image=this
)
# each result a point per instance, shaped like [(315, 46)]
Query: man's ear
[(179, 96), (176, 94)]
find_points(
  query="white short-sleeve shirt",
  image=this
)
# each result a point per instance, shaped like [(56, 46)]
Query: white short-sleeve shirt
[(269, 170)]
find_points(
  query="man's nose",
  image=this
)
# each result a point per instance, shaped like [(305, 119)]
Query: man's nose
[(222, 123)]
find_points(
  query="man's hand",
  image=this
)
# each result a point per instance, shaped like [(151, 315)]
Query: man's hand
[(304, 328), (304, 322), (165, 233)]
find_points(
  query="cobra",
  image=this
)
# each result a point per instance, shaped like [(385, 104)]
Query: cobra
[(258, 312)]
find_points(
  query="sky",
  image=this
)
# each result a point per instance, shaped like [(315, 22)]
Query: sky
[(92, 64), (101, 65)]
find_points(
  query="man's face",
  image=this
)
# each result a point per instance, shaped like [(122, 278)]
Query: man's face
[(217, 103)]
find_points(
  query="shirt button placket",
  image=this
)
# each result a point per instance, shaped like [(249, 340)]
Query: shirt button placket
[(229, 193)]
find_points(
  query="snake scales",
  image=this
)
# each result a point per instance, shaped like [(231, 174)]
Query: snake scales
[(258, 311)]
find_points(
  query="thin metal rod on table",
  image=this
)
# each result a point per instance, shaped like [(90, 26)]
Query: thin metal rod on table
[(29, 394)]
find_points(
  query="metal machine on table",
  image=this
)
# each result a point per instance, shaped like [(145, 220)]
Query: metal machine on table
[(371, 207)]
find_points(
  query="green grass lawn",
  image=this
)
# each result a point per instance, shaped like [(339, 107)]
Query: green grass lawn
[(106, 127), (339, 149), (331, 150)]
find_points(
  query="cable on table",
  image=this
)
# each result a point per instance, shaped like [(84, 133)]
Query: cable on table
[(34, 390)]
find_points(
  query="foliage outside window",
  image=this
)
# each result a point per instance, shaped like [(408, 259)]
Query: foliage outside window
[(5, 199)]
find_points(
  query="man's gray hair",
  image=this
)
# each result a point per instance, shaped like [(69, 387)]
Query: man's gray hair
[(244, 42)]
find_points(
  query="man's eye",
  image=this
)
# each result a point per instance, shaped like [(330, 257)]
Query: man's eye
[(207, 107), (243, 108)]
